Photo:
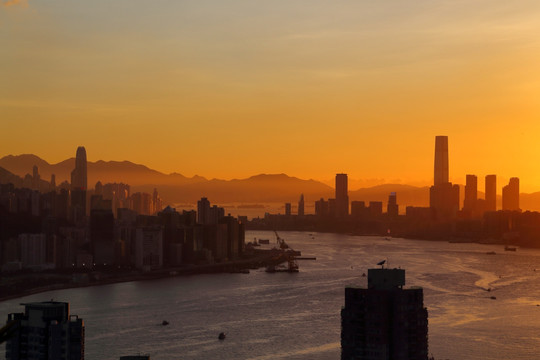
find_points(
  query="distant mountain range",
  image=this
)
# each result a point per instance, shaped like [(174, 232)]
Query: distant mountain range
[(177, 188)]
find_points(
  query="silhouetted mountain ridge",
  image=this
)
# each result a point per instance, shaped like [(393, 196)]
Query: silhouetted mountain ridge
[(175, 187), (104, 171)]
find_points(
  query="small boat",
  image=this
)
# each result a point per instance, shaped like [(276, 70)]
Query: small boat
[(221, 336), (493, 298), (509, 248), (264, 241), (164, 323), (491, 253)]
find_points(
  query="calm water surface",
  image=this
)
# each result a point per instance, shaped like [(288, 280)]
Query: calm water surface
[(297, 316)]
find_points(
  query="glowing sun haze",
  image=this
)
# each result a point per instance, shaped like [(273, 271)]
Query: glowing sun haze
[(310, 88)]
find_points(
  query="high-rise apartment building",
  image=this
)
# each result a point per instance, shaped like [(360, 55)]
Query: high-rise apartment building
[(510, 195), (342, 196), (384, 321), (491, 193), (321, 207), (46, 330), (203, 211)]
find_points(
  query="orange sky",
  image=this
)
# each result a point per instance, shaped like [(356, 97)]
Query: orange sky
[(231, 89)]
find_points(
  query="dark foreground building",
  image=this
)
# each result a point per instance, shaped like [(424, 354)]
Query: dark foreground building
[(384, 321), (45, 331)]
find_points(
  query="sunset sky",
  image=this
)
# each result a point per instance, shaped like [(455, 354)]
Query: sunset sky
[(230, 89)]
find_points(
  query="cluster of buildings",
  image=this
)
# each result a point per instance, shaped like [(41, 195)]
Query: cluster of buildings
[(71, 226), (444, 197), (446, 216)]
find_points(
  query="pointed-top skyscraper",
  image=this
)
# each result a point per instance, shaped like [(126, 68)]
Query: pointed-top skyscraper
[(78, 186), (79, 175), (301, 205)]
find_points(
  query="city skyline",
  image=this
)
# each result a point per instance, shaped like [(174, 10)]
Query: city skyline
[(355, 183), (356, 88)]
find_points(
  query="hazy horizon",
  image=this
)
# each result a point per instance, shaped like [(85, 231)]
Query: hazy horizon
[(354, 184), (231, 90)]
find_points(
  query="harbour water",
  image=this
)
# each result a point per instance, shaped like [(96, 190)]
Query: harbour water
[(297, 316)]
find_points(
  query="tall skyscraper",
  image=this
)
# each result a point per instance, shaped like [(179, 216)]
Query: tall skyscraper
[(46, 330), (441, 160), (36, 178), (79, 175), (443, 196), (301, 205), (491, 192), (510, 195), (79, 186), (384, 321), (471, 193), (342, 196), (53, 182)]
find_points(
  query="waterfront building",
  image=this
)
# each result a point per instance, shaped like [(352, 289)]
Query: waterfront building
[(342, 196), (33, 248), (46, 331), (332, 207), (491, 193), (392, 208), (441, 172), (321, 207), (384, 321), (149, 247), (510, 195), (375, 208), (358, 209), (471, 194), (301, 205), (443, 196), (102, 237), (288, 209)]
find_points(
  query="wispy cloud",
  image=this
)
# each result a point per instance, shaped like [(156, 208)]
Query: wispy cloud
[(8, 3)]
